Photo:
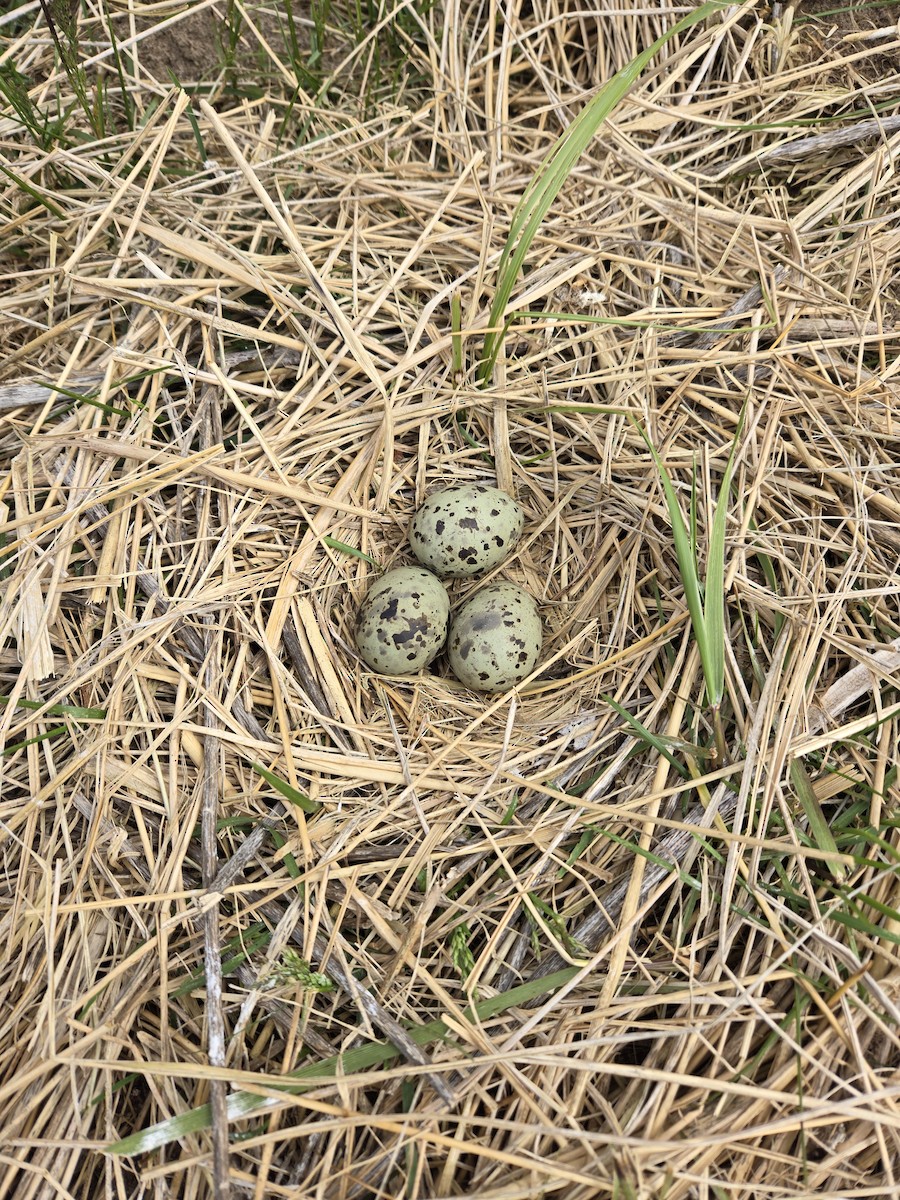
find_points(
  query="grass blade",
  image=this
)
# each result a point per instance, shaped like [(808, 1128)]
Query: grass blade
[(819, 829), (283, 788), (684, 552), (705, 600), (647, 735), (546, 184), (26, 187), (334, 544), (59, 710), (241, 1104), (714, 590)]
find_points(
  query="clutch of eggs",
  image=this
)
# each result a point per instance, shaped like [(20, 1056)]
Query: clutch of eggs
[(495, 637)]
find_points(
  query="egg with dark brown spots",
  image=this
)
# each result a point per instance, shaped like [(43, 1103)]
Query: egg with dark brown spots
[(495, 638), (465, 529), (402, 623)]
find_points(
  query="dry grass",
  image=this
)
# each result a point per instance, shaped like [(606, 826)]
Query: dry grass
[(219, 372)]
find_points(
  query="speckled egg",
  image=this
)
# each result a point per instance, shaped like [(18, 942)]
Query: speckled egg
[(402, 623), (495, 638), (465, 529)]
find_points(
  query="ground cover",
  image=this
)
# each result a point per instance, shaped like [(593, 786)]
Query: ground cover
[(275, 926)]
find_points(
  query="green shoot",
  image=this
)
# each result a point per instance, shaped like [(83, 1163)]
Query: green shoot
[(705, 599), (296, 970), (231, 36), (543, 916), (819, 828), (14, 89), (546, 184), (655, 860), (821, 14), (60, 710), (284, 789), (127, 102), (30, 190), (659, 744), (235, 953), (290, 863), (319, 12), (456, 350), (460, 954), (587, 839), (62, 21), (362, 1058), (33, 741), (334, 544), (461, 416)]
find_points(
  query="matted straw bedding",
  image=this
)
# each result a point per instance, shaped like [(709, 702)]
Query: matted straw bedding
[(229, 850)]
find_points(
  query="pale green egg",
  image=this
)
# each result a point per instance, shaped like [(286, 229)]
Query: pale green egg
[(402, 623), (465, 529), (495, 638)]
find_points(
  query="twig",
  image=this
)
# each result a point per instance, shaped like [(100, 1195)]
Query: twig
[(792, 152), (24, 395), (824, 143), (213, 766)]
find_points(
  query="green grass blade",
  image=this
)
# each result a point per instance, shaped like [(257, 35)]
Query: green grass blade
[(860, 925), (819, 829), (587, 839), (546, 184), (871, 902), (687, 562), (767, 566), (127, 102), (193, 122), (62, 21), (714, 591), (235, 953), (705, 600), (14, 89), (456, 344), (655, 859), (373, 1054), (26, 187), (334, 544), (34, 741), (647, 735), (290, 863), (60, 710), (284, 789)]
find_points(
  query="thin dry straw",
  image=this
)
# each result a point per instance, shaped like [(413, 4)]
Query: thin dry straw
[(230, 872)]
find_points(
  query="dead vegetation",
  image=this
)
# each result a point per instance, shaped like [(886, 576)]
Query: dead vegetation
[(228, 378)]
